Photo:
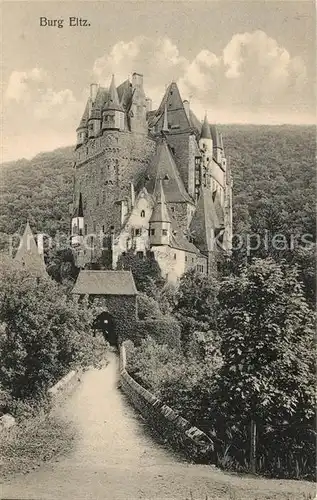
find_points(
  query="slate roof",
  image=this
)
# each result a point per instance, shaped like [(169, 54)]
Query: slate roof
[(113, 98), (125, 94), (163, 167), (179, 241), (101, 99), (204, 220), (176, 114), (205, 130), (160, 212), (217, 142), (105, 283), (28, 254), (79, 211)]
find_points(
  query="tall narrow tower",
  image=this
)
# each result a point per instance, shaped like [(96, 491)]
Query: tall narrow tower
[(160, 222)]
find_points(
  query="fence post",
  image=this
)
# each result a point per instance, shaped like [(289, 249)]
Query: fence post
[(253, 446)]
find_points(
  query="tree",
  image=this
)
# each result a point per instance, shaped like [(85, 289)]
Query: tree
[(267, 345), (196, 304), (145, 269), (44, 333)]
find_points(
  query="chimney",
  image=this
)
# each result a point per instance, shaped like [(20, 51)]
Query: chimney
[(186, 107), (137, 80), (148, 104), (132, 194), (93, 91)]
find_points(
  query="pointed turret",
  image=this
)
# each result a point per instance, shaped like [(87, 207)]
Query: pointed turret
[(160, 222), (28, 254), (160, 213), (205, 130), (113, 113), (113, 99), (82, 129)]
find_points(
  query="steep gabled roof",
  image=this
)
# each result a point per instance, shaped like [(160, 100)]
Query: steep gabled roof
[(125, 94), (176, 114), (160, 212), (101, 99), (28, 254), (105, 283), (217, 142), (204, 221), (179, 241), (163, 167)]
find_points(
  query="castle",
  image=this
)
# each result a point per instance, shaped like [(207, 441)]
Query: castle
[(155, 182)]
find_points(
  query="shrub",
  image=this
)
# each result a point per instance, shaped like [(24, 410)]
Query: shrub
[(148, 308), (163, 331)]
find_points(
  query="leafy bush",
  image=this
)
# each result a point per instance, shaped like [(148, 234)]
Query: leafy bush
[(148, 308), (45, 334), (163, 331)]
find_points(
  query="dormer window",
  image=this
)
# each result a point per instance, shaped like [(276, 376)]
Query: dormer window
[(142, 214), (166, 177)]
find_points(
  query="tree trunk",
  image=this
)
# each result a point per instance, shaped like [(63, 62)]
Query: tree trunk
[(253, 447)]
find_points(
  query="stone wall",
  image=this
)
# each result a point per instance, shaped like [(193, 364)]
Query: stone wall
[(104, 169), (169, 425)]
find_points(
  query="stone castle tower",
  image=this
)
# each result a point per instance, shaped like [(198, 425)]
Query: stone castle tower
[(149, 181)]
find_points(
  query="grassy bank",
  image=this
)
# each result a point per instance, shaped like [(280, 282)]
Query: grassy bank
[(34, 441)]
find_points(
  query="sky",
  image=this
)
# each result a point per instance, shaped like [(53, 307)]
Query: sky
[(239, 61)]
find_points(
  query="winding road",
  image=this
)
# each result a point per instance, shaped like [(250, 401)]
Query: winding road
[(115, 458)]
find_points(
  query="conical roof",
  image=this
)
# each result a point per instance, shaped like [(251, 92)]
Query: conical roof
[(79, 212), (113, 98), (28, 253), (215, 136), (160, 212), (205, 130)]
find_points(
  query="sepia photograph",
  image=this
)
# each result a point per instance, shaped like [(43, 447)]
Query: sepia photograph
[(158, 250)]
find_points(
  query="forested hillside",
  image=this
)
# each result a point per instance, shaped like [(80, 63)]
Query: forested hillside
[(273, 173)]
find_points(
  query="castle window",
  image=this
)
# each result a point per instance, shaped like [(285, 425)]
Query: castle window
[(174, 256), (166, 177), (86, 229), (192, 259), (152, 232), (185, 258), (173, 209), (94, 226), (140, 255), (103, 228), (103, 197), (112, 229), (164, 232), (142, 213), (138, 232), (97, 200), (80, 232)]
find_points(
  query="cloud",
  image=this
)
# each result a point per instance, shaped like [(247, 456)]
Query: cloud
[(32, 91), (22, 83), (159, 60), (253, 79)]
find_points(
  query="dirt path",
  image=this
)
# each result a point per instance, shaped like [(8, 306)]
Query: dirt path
[(115, 459)]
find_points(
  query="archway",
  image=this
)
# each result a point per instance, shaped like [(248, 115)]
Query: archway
[(105, 323)]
